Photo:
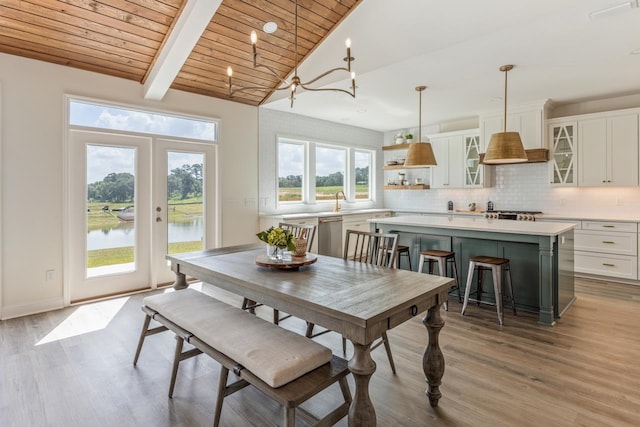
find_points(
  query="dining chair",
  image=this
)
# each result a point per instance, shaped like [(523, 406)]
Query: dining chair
[(299, 231), (370, 248)]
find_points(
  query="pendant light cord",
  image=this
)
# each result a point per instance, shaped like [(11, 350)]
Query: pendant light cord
[(506, 71), (420, 89), (420, 117)]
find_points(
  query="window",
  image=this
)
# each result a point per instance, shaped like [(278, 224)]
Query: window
[(363, 174), (92, 114), (291, 162), (336, 168), (330, 172)]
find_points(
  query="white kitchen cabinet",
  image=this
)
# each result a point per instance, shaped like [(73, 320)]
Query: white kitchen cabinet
[(474, 172), (563, 153), (449, 153), (458, 157), (607, 248), (608, 151), (527, 120)]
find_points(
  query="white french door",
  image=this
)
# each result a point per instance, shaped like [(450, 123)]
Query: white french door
[(184, 197), (132, 200)]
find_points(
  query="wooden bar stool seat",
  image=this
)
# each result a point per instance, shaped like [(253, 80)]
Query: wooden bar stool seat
[(444, 259), (499, 267)]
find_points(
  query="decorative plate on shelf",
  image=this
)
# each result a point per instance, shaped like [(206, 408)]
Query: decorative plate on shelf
[(294, 264)]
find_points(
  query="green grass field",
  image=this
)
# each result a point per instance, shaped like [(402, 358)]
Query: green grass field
[(100, 257), (294, 194)]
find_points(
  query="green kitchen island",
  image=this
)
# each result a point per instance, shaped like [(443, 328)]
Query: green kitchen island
[(541, 254)]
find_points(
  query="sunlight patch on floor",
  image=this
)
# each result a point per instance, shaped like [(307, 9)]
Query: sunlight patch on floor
[(86, 318)]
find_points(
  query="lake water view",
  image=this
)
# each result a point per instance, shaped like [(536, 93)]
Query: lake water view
[(123, 234)]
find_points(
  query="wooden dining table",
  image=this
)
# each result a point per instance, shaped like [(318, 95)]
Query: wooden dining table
[(359, 301)]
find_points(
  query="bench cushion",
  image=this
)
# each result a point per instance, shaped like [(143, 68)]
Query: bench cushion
[(275, 355)]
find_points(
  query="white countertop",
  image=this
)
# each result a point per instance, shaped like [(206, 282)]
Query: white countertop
[(593, 217), (458, 213), (323, 214), (480, 224)]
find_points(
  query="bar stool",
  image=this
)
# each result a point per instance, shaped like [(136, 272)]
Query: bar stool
[(443, 259), (498, 267), (403, 251)]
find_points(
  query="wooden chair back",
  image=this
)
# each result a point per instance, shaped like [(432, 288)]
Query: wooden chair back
[(371, 248), (301, 230)]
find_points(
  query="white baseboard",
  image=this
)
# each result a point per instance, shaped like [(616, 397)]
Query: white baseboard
[(11, 311)]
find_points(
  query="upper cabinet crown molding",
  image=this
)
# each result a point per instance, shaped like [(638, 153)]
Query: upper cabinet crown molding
[(543, 104)]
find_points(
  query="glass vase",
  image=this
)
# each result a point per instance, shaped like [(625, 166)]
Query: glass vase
[(274, 253)]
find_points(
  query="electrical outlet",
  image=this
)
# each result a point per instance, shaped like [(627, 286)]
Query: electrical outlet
[(50, 275)]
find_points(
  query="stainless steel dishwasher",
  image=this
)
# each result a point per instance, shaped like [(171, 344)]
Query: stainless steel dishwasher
[(330, 236)]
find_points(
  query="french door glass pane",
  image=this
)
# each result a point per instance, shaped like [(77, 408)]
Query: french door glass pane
[(185, 202), (110, 210)]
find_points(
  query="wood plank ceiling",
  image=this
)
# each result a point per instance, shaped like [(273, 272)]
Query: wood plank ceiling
[(123, 38)]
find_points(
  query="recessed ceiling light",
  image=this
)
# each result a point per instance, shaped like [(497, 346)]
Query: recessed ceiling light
[(635, 52), (270, 27)]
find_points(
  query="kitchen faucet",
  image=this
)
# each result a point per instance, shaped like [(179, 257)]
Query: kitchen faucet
[(337, 207)]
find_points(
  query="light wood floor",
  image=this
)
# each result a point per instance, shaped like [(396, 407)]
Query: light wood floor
[(585, 371)]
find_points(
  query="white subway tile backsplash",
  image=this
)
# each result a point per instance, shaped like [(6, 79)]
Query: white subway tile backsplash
[(524, 187)]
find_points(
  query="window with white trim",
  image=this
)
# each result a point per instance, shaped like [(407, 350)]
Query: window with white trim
[(310, 172)]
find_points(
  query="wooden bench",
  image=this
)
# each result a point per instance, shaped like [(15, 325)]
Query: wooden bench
[(285, 366)]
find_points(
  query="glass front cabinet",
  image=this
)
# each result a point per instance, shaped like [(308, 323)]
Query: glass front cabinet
[(472, 167), (562, 144)]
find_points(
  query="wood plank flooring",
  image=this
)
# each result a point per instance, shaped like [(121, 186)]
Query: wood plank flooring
[(585, 371)]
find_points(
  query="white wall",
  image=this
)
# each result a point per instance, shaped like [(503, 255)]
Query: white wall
[(274, 124), (32, 170)]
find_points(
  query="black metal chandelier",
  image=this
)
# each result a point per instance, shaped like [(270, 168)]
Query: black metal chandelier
[(295, 81)]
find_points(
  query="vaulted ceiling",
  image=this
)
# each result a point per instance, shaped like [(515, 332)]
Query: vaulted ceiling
[(568, 51), (126, 38)]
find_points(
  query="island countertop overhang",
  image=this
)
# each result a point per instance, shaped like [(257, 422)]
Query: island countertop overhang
[(479, 224)]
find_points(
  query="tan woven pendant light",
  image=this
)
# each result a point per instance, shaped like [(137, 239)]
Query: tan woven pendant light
[(420, 154), (505, 147)]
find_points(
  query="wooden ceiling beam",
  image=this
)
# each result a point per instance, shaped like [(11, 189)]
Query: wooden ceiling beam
[(182, 37)]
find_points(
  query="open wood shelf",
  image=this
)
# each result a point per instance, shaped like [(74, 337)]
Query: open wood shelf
[(395, 147), (387, 168), (406, 187)]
